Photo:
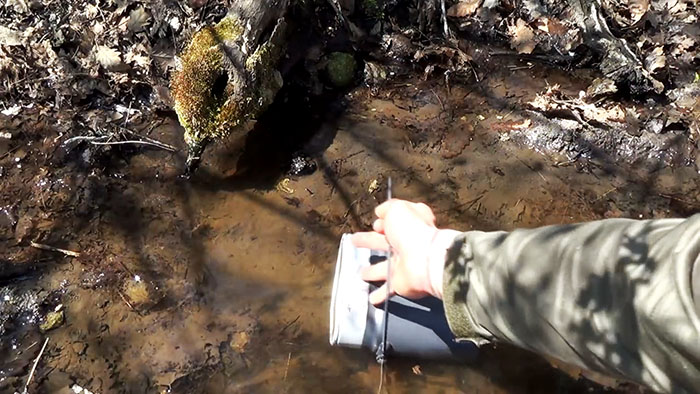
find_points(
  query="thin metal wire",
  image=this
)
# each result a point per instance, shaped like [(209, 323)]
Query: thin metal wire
[(381, 352)]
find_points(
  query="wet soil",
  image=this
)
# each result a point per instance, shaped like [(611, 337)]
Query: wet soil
[(233, 267)]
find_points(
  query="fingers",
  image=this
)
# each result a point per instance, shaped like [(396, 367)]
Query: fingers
[(420, 209), (378, 296), (383, 208), (376, 272), (378, 226), (370, 240), (425, 212)]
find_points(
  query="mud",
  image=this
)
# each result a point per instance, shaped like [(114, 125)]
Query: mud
[(221, 282)]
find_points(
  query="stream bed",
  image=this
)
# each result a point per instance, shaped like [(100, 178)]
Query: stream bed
[(221, 282)]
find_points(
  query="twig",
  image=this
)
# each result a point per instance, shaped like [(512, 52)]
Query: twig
[(9, 152), (149, 139), (672, 197), (54, 249), (445, 27), (125, 300), (162, 146), (104, 140), (343, 159), (605, 194), (289, 324), (36, 362), (286, 370), (439, 100)]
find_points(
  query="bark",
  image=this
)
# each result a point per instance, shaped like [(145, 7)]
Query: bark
[(619, 62)]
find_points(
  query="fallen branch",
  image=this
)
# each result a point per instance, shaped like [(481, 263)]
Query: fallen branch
[(162, 146), (36, 362), (54, 249), (105, 140)]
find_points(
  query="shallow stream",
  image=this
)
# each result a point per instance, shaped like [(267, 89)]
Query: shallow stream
[(238, 261)]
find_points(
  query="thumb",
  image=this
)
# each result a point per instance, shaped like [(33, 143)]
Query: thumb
[(378, 296)]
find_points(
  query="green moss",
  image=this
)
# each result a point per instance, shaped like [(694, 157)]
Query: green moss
[(204, 115), (202, 64), (373, 8), (341, 68), (229, 28), (53, 320)]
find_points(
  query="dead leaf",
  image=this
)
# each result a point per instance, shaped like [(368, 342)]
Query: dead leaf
[(20, 6), (107, 57), (656, 60), (464, 8), (138, 19), (138, 57), (626, 13), (637, 9), (522, 37), (551, 26), (10, 37), (240, 341)]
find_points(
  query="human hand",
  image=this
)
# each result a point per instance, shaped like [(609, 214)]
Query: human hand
[(418, 250)]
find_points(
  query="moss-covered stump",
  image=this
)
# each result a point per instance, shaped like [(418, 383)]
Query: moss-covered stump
[(228, 75)]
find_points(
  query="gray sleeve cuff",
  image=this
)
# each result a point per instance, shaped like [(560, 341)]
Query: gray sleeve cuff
[(458, 261)]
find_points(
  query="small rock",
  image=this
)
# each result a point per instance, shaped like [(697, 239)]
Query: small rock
[(53, 320), (656, 126), (24, 227), (341, 69), (142, 294), (302, 165), (375, 74)]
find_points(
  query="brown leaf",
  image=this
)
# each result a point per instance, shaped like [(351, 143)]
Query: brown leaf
[(637, 8), (10, 37), (522, 37), (656, 60), (551, 26), (464, 8), (138, 19), (107, 57)]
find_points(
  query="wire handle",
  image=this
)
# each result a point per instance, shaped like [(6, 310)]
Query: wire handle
[(381, 350)]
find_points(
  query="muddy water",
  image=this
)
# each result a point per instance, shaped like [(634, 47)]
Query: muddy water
[(238, 261)]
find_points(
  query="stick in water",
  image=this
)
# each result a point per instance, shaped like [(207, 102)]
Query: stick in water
[(36, 362), (54, 249)]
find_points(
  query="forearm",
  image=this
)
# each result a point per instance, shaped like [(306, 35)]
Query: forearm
[(614, 296)]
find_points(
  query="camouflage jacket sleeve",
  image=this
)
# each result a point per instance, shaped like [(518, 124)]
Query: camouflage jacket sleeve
[(617, 296)]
